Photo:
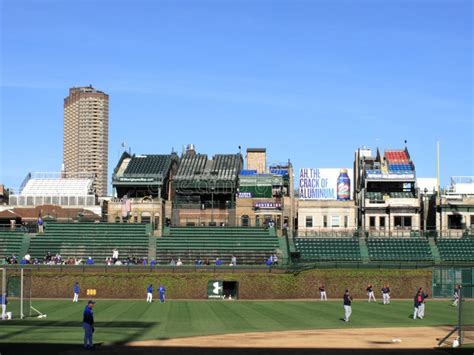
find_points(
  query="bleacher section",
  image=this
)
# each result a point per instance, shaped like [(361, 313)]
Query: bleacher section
[(251, 246), (10, 243), (456, 249), (148, 164), (81, 240), (328, 249), (396, 156), (399, 249)]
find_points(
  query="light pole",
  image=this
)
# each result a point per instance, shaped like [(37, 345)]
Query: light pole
[(425, 209), (212, 205)]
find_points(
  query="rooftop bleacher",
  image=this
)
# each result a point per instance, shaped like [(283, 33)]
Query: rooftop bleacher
[(328, 249), (399, 249), (57, 187), (149, 164), (81, 240), (396, 156), (251, 246), (223, 167)]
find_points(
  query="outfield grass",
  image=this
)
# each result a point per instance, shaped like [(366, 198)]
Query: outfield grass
[(122, 321)]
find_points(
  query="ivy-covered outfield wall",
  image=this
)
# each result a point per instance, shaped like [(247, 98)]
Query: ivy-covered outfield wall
[(252, 285)]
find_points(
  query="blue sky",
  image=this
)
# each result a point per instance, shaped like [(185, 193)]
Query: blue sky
[(309, 80)]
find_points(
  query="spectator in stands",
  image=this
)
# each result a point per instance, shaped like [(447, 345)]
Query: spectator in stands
[(28, 257), (144, 262), (23, 262), (115, 255), (233, 261), (153, 263), (218, 262), (269, 261), (48, 257), (40, 222), (275, 259), (207, 262), (172, 262), (90, 261), (198, 262), (77, 261), (118, 263), (179, 262), (35, 261)]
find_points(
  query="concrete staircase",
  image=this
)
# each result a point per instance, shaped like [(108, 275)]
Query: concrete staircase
[(434, 251), (25, 245), (364, 251), (151, 248)]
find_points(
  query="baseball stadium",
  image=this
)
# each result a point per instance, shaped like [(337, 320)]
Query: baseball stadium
[(228, 253)]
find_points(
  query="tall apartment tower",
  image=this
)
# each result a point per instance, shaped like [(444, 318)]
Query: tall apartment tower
[(86, 135)]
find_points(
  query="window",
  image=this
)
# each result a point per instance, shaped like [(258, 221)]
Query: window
[(402, 221), (398, 221), (325, 221), (407, 222), (455, 221), (245, 221), (472, 221), (372, 222), (346, 221), (335, 221), (309, 221), (382, 222)]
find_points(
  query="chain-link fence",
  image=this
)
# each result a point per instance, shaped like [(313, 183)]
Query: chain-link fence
[(462, 333)]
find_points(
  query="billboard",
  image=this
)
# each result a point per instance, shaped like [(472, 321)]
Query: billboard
[(326, 184)]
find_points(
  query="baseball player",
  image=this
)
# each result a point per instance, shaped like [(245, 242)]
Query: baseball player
[(322, 291), (149, 293), (386, 294), (4, 302), (370, 292), (88, 325), (418, 299), (162, 291), (75, 289), (457, 291), (347, 299), (421, 309)]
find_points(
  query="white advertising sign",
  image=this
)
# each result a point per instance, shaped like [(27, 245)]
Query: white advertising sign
[(326, 184)]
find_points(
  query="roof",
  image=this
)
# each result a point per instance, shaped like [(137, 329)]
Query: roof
[(54, 211), (57, 187), (144, 168), (8, 214), (222, 167), (256, 150)]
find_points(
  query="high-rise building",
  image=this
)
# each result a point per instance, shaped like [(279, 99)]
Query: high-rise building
[(86, 135)]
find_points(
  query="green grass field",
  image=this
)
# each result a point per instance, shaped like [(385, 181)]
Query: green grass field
[(122, 321)]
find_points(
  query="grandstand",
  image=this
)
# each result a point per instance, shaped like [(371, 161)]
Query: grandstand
[(456, 249), (251, 246), (205, 189), (399, 249), (10, 243), (81, 240), (328, 249)]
